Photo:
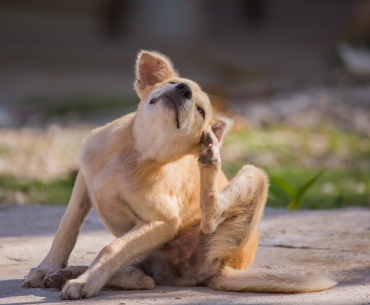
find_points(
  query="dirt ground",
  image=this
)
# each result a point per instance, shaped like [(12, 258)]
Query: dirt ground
[(332, 242)]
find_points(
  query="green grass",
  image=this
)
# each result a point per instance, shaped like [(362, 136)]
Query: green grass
[(334, 189), (292, 155), (298, 155), (26, 190)]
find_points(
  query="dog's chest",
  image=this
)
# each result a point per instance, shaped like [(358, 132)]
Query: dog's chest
[(115, 214), (122, 205), (107, 192), (126, 193)]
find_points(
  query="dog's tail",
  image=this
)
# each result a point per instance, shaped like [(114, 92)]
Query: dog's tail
[(251, 281)]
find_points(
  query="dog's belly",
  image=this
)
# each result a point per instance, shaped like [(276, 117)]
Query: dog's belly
[(182, 261)]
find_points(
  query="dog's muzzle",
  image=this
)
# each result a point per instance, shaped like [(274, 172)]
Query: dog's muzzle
[(178, 98)]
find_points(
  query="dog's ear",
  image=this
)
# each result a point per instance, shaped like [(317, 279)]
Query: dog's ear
[(220, 126), (152, 68)]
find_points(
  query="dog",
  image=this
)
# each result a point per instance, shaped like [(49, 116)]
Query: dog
[(154, 178)]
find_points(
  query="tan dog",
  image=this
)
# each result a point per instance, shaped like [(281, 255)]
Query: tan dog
[(154, 179)]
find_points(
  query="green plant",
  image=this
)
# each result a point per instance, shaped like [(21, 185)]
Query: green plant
[(286, 191)]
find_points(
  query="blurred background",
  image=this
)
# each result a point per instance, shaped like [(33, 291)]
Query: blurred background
[(294, 75)]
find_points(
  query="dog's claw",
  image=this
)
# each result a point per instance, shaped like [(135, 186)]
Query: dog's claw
[(83, 295)]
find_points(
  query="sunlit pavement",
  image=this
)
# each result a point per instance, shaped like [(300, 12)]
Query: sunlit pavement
[(331, 242)]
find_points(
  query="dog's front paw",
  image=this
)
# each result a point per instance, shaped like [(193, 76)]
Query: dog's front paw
[(78, 289), (209, 151)]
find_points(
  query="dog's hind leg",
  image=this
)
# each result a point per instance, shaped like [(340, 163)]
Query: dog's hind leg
[(233, 213), (125, 279), (243, 198), (232, 217)]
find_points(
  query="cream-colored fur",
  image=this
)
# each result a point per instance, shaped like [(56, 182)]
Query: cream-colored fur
[(154, 175), (244, 280)]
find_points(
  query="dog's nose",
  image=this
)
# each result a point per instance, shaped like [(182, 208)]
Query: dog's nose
[(184, 91)]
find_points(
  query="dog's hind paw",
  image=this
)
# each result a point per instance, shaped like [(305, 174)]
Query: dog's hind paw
[(209, 152), (35, 277), (59, 278)]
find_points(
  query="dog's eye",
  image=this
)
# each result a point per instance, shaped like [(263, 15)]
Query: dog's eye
[(172, 83), (201, 111)]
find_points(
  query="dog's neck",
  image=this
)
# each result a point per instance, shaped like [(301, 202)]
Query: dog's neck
[(149, 172), (159, 146)]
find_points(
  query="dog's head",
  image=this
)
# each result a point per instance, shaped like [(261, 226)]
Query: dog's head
[(173, 111)]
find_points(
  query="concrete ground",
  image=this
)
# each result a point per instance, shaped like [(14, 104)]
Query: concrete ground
[(334, 242)]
